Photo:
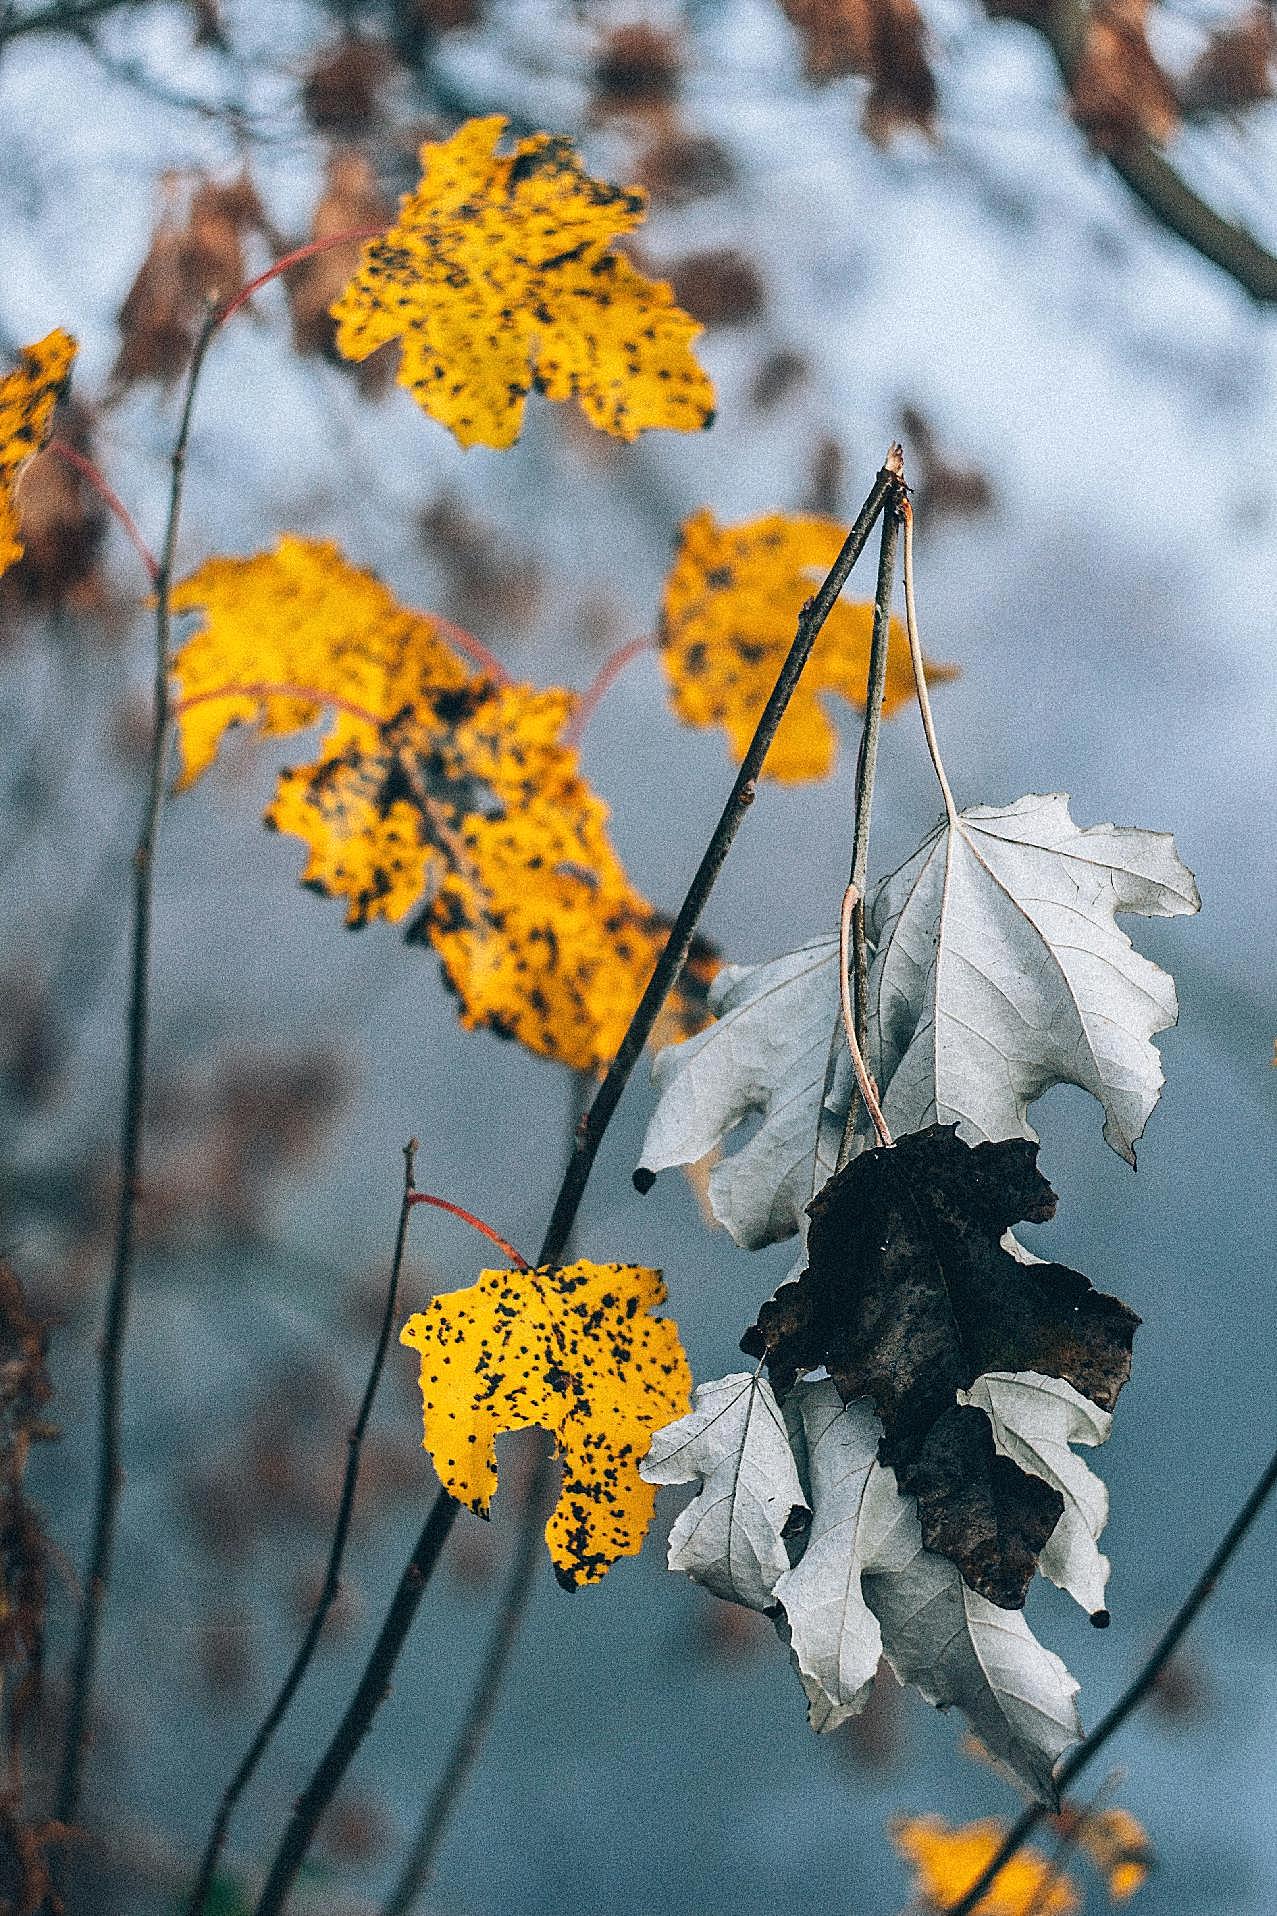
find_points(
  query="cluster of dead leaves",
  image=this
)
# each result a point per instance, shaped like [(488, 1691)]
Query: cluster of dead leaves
[(439, 795)]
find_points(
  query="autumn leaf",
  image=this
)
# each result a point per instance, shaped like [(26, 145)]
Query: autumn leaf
[(856, 1583), (576, 1352), (728, 618), (499, 278), (999, 970), (946, 1860), (28, 396), (908, 1297), (731, 1537), (884, 41), (437, 796)]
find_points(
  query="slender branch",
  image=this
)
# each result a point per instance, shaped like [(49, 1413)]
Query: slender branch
[(110, 499), (1149, 175), (519, 1585), (295, 258), (476, 1223), (1130, 1700), (373, 1688), (867, 761), (610, 670), (119, 1296), (868, 1089), (58, 18), (474, 648), (332, 1575), (516, 1592), (589, 1132), (920, 669)]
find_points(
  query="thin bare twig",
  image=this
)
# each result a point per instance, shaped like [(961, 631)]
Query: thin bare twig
[(374, 1684), (868, 1089), (610, 670), (920, 669), (119, 1296), (111, 499), (867, 759), (72, 16), (516, 1594), (866, 770), (332, 1575), (1108, 1726)]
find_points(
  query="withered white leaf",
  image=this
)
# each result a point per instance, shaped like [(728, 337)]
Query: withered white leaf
[(999, 970), (1035, 1419), (730, 1537)]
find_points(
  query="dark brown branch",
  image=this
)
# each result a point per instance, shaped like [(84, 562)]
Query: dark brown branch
[(375, 1682), (519, 1584), (70, 18), (332, 1575), (511, 1610), (374, 1687), (1155, 182), (1130, 1700), (119, 1297)]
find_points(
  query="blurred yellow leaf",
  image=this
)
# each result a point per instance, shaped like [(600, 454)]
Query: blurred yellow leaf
[(499, 278), (728, 619), (1116, 1843), (28, 396), (947, 1860), (436, 791), (576, 1352)]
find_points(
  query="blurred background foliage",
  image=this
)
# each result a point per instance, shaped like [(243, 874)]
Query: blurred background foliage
[(1030, 239)]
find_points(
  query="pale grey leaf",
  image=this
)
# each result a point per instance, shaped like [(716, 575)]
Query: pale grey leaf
[(1000, 970), (730, 1536), (1035, 1419), (961, 1651), (833, 1634), (765, 1055)]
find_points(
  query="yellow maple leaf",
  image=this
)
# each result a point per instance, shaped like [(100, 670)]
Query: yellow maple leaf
[(498, 277), (728, 618), (576, 1352), (28, 396), (947, 1860), (435, 792)]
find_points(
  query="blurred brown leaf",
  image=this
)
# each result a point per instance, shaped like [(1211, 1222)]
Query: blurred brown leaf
[(636, 68), (941, 485), (341, 94), (776, 378), (63, 525), (1120, 94), (490, 582), (720, 287), (882, 41), (678, 166), (1235, 69), (196, 253)]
